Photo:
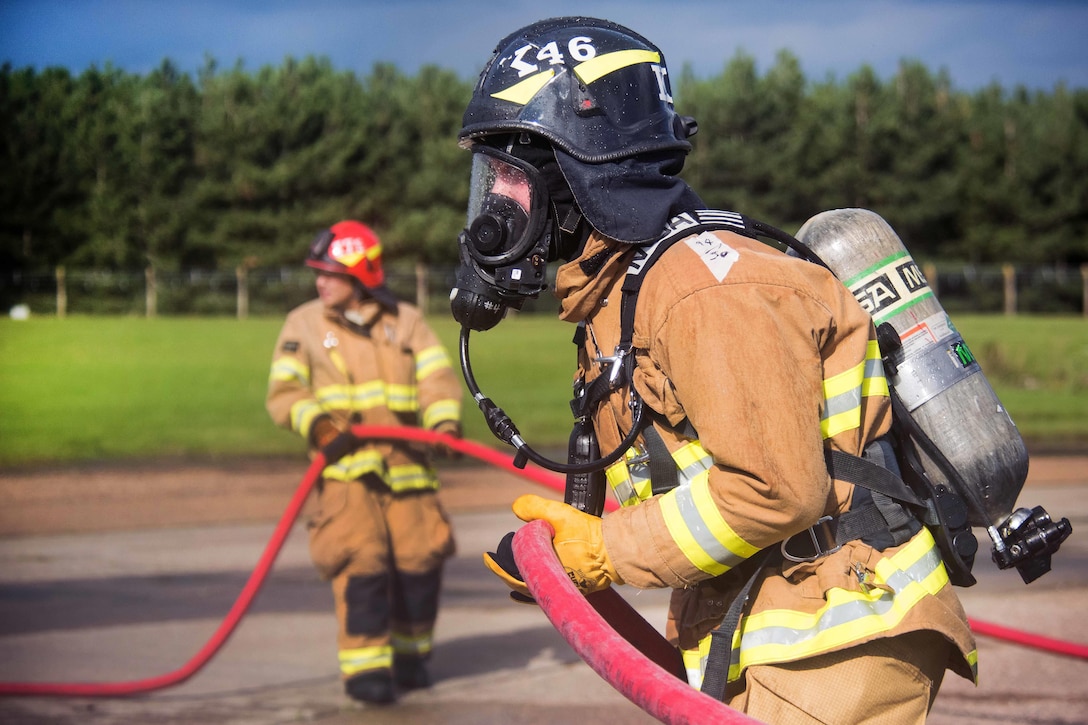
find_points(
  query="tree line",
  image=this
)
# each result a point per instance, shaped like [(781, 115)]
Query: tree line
[(230, 167)]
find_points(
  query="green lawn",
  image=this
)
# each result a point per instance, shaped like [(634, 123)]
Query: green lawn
[(101, 388)]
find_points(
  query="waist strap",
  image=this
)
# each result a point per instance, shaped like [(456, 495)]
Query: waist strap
[(828, 534)]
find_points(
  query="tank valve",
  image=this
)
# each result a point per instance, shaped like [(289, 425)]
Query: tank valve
[(1027, 539)]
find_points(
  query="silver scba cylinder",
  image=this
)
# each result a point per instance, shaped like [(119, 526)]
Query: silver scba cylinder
[(937, 378)]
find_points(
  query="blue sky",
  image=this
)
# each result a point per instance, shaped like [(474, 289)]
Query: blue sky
[(1036, 43)]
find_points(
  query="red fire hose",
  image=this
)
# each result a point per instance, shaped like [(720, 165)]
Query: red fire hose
[(264, 565), (643, 678), (658, 692)]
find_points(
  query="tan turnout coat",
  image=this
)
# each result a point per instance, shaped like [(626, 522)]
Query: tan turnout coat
[(755, 349), (393, 371)]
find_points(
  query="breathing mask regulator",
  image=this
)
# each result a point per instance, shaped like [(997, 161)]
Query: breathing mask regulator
[(521, 215)]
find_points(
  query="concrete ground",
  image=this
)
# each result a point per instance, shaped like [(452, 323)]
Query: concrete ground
[(87, 594)]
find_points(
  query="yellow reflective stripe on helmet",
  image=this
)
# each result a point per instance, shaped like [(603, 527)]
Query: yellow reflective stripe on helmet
[(588, 71), (411, 477), (523, 91), (290, 369), (602, 65), (440, 411), (780, 635), (697, 527), (355, 465), (431, 360), (303, 414), (362, 659), (408, 644)]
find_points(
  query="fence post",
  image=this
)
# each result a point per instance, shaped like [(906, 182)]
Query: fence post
[(1084, 288), (421, 286), (929, 271), (241, 273), (152, 292), (62, 291), (1009, 273)]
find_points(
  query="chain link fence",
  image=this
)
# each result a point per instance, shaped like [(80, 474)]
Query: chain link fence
[(962, 289)]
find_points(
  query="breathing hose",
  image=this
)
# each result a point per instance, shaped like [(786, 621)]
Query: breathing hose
[(639, 680)]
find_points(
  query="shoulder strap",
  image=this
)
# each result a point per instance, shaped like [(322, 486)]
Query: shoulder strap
[(863, 472), (679, 227)]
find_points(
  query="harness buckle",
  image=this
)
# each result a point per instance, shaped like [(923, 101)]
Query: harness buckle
[(612, 365), (821, 541)]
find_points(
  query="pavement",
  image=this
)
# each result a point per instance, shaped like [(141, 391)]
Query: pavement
[(124, 605)]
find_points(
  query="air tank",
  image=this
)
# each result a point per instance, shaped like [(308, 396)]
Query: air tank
[(935, 374)]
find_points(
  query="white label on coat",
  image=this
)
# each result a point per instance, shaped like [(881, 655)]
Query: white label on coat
[(716, 254)]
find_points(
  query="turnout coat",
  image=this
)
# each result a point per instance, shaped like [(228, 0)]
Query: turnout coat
[(754, 363), (390, 370)]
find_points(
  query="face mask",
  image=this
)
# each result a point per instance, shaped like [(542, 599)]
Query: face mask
[(504, 247)]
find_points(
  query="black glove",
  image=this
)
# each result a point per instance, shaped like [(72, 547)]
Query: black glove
[(502, 564)]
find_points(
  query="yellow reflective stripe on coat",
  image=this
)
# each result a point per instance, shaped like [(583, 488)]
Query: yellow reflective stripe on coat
[(781, 635), (289, 369), (843, 393), (629, 477), (373, 394), (303, 413), (411, 477), (696, 525), (431, 360), (441, 411), (355, 465), (692, 518), (407, 644), (401, 398), (399, 479), (363, 659)]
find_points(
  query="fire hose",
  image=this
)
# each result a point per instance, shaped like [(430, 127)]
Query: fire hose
[(633, 673)]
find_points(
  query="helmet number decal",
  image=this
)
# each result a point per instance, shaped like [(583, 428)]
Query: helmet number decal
[(580, 48), (348, 251), (660, 72)]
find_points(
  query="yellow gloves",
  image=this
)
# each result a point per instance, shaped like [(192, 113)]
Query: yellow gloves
[(578, 542)]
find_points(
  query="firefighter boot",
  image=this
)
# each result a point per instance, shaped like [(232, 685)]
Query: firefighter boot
[(375, 687), (411, 672)]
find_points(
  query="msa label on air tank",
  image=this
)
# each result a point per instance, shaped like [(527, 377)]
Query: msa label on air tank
[(932, 359), (889, 287)]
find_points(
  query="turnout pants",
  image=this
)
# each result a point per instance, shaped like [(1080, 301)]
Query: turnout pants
[(383, 554), (890, 680)]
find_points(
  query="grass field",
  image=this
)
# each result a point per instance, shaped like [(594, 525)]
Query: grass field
[(104, 388)]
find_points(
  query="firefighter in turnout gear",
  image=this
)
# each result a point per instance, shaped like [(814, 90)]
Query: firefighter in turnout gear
[(356, 355), (755, 368)]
